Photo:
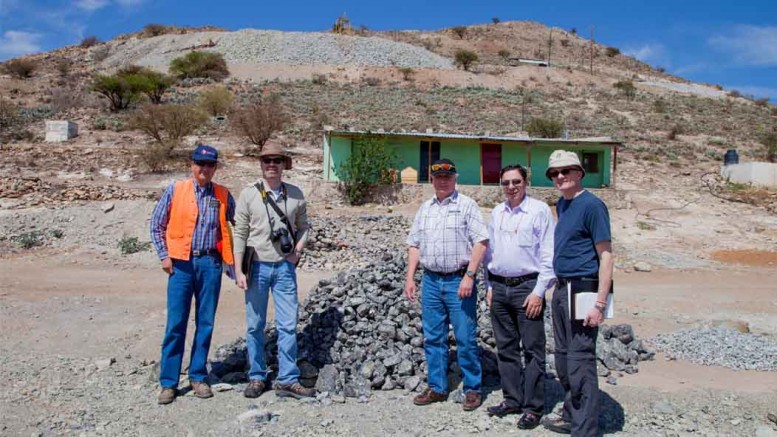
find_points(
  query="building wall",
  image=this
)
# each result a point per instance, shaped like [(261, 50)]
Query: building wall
[(540, 154)]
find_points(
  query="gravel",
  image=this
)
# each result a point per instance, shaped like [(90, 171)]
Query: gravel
[(719, 346), (275, 47)]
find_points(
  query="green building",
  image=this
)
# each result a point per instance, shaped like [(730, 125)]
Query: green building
[(478, 158)]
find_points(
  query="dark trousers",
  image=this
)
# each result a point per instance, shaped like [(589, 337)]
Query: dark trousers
[(576, 366), (522, 387)]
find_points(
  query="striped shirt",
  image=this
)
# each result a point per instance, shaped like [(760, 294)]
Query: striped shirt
[(445, 231), (521, 242), (207, 232)]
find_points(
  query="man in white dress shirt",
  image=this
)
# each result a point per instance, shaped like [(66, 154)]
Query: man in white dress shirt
[(519, 260)]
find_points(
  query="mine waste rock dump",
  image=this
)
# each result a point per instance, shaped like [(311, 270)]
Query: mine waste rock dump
[(357, 332)]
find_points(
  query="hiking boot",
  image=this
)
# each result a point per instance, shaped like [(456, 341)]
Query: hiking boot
[(558, 425), (429, 396), (255, 388), (529, 420), (202, 390), (167, 395), (295, 390), (472, 401)]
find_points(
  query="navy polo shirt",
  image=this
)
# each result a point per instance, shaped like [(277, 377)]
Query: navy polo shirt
[(582, 222)]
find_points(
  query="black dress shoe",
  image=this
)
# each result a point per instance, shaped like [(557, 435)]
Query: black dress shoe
[(528, 421), (559, 425), (503, 409)]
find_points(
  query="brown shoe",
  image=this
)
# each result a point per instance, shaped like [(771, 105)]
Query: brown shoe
[(295, 390), (167, 395), (472, 401), (202, 390), (429, 396), (254, 389)]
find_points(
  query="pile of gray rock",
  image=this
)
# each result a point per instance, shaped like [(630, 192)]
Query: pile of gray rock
[(720, 346), (358, 332)]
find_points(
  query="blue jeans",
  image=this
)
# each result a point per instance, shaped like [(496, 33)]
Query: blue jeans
[(440, 307), (200, 277), (281, 279)]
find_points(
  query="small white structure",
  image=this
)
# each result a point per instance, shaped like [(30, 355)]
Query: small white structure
[(60, 130), (763, 174)]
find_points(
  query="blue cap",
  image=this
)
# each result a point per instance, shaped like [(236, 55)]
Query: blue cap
[(205, 153)]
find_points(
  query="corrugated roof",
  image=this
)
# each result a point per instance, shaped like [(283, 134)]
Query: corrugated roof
[(487, 138)]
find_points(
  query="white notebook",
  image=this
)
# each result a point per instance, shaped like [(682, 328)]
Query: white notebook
[(585, 300)]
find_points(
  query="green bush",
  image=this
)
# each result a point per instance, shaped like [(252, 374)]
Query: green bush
[(544, 128), (769, 140), (209, 65), (407, 73), (465, 58), (149, 82), (153, 29), (130, 245), (612, 52), (368, 166), (627, 88), (216, 100), (119, 91), (20, 68), (504, 54), (28, 240), (496, 20)]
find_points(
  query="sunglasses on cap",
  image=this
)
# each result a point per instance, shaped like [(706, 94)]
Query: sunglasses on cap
[(273, 160), (564, 171), (443, 167), (209, 164), (516, 182)]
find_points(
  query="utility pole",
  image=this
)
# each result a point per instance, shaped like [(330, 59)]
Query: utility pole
[(592, 50), (550, 44)]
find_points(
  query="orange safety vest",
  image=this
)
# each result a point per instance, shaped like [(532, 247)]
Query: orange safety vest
[(183, 220)]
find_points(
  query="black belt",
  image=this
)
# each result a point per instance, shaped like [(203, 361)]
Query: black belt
[(460, 272), (199, 253), (514, 281)]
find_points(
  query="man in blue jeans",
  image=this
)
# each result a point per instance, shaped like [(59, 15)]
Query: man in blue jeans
[(448, 239), (191, 235), (271, 226)]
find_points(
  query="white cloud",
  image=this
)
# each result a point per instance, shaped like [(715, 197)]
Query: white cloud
[(91, 5), (750, 45), (17, 43), (129, 3), (646, 53)]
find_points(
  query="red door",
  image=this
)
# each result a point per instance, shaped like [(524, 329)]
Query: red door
[(491, 159)]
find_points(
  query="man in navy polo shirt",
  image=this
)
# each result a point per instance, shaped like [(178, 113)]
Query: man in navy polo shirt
[(582, 250)]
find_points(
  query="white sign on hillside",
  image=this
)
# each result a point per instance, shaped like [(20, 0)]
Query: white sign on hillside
[(60, 130)]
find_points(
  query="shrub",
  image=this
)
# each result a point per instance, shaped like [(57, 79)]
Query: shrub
[(216, 100), (167, 124), (28, 240), (465, 58), (769, 140), (612, 52), (496, 20), (504, 54), (153, 29), (627, 88), (9, 114), (319, 79), (674, 132), (544, 128), (200, 64), (117, 89), (20, 68), (407, 73), (573, 31), (130, 245), (259, 120), (64, 66), (762, 102), (89, 41), (153, 84), (368, 166), (734, 93), (660, 105), (372, 81), (460, 31)]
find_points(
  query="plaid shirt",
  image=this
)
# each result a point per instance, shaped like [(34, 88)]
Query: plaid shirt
[(445, 231), (207, 232)]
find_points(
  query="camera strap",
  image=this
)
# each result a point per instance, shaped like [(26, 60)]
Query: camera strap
[(269, 200)]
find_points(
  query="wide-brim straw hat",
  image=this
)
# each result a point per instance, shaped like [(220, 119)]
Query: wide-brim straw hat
[(275, 149), (561, 159)]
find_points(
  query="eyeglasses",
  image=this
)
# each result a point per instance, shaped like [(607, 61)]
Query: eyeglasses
[(209, 164), (516, 182), (272, 160), (443, 167), (563, 171)]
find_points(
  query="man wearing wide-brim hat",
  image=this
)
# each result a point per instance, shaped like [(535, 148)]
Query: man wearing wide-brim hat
[(582, 257), (271, 227)]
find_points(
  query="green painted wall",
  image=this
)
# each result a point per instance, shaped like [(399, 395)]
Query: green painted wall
[(541, 153), (515, 153), (466, 156)]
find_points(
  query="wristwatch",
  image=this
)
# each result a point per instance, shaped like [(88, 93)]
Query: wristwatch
[(470, 274), (600, 306)]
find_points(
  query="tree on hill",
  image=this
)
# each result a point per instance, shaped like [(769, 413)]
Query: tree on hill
[(200, 64), (465, 58)]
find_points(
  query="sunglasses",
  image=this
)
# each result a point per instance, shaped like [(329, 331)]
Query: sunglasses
[(516, 182), (564, 171), (273, 160), (208, 164), (443, 167)]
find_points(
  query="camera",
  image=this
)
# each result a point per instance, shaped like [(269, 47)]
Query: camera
[(282, 236)]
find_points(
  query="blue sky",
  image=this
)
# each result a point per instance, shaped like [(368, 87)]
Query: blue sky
[(731, 43)]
